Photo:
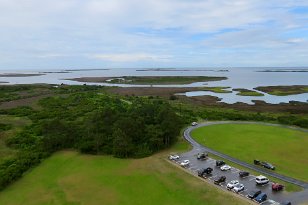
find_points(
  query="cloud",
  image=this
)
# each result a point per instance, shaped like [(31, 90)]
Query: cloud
[(157, 32), (131, 57)]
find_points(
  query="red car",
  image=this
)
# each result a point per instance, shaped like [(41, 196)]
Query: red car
[(277, 187)]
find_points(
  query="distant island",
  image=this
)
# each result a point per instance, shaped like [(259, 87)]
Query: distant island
[(285, 70), (86, 69), (176, 70), (20, 74), (149, 80), (55, 72)]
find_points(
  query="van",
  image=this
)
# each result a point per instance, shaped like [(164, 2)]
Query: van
[(260, 180)]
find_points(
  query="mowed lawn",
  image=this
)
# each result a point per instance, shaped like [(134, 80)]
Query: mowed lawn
[(286, 148), (71, 178)]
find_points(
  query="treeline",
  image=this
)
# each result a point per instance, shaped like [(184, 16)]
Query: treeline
[(91, 123), (194, 113)]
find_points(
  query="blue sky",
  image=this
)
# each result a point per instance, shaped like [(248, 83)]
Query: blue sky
[(57, 34)]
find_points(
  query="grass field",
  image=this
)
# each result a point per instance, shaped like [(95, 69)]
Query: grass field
[(285, 148), (71, 178)]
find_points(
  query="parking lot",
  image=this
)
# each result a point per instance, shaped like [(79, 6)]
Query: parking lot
[(232, 174)]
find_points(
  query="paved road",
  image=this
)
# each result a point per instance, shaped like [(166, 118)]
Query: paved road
[(297, 197)]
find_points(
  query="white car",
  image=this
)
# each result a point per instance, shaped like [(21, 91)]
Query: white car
[(185, 163), (260, 180), (225, 168), (174, 157), (232, 184), (238, 188), (194, 123)]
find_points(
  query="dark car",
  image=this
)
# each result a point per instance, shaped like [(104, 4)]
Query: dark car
[(220, 180), (256, 162), (286, 203), (254, 193), (203, 172), (220, 163), (277, 187), (261, 197), (267, 165), (243, 174), (202, 156)]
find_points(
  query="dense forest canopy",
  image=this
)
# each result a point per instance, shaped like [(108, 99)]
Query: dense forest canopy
[(93, 123)]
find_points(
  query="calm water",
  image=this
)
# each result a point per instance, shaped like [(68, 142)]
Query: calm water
[(237, 78)]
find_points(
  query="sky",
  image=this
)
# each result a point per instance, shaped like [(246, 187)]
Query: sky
[(57, 34)]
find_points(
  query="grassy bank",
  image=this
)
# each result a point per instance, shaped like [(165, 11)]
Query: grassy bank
[(284, 90), (246, 92), (71, 178), (285, 148)]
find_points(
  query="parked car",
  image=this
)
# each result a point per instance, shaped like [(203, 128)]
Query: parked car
[(231, 184), (220, 163), (202, 156), (219, 180), (277, 187), (174, 157), (260, 180), (225, 168), (238, 188), (194, 123), (185, 163), (256, 162), (261, 197), (254, 193), (243, 174), (205, 171), (268, 165)]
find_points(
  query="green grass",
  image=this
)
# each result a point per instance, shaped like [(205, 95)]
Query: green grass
[(71, 178), (217, 89), (246, 92), (284, 90), (285, 148), (16, 123)]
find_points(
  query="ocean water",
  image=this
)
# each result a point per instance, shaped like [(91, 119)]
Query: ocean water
[(237, 78)]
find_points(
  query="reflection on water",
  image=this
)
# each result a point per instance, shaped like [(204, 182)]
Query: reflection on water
[(237, 78)]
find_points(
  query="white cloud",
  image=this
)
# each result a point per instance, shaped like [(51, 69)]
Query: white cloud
[(149, 31)]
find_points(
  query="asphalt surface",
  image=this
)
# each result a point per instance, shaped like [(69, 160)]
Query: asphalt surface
[(248, 182)]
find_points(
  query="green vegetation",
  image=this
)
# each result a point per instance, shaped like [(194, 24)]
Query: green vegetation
[(9, 127), (87, 119), (71, 178), (165, 79), (149, 80), (253, 141), (217, 89), (284, 90), (15, 92), (246, 92), (92, 123)]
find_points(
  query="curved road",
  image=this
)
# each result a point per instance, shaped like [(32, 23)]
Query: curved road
[(298, 196)]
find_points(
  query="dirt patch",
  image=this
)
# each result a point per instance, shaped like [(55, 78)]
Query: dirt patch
[(150, 91), (31, 102)]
